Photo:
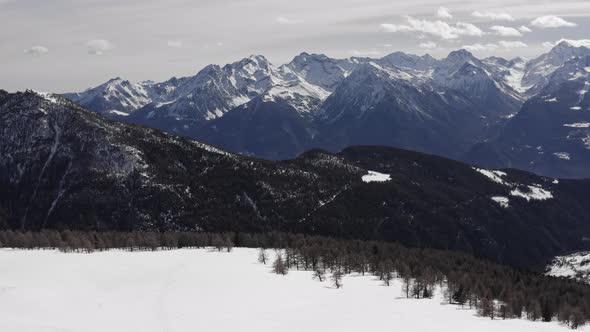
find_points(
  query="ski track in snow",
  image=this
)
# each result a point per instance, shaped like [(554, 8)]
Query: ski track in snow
[(54, 147), (205, 290)]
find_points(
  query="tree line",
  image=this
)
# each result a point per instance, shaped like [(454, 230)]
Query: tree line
[(495, 291)]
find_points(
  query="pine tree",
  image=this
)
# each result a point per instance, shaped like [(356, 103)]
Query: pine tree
[(278, 266), (337, 278)]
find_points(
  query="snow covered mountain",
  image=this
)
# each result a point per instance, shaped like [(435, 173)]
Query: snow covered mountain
[(551, 134), (380, 106), (68, 168), (538, 71), (510, 72), (320, 70), (117, 97), (463, 72), (408, 62), (255, 108)]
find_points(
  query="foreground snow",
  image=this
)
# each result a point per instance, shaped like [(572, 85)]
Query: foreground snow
[(204, 290)]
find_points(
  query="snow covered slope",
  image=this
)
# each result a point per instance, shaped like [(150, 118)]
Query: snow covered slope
[(575, 265), (117, 97), (190, 290)]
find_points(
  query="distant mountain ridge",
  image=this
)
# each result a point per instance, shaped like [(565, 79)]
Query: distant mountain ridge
[(446, 106)]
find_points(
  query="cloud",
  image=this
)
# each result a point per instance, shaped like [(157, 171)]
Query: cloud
[(480, 47), (440, 29), (98, 46), (550, 21), (286, 21), (365, 53), (512, 44), (428, 45), (175, 43), (444, 12), (494, 16), (524, 29), (506, 31), (572, 42), (37, 50)]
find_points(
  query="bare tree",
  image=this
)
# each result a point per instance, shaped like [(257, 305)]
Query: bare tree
[(262, 256), (319, 274)]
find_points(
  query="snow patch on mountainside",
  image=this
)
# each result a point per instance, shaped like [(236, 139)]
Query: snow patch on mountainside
[(495, 176), (534, 192), (578, 125), (376, 177), (576, 266), (502, 201), (562, 155), (48, 96)]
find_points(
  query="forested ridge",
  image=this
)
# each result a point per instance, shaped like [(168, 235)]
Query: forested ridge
[(495, 291)]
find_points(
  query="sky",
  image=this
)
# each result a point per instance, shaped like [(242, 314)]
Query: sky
[(70, 45)]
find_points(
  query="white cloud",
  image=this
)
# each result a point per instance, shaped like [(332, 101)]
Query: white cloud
[(480, 47), (98, 46), (175, 43), (37, 50), (440, 29), (512, 44), (494, 16), (506, 31), (365, 53), (551, 21), (444, 12), (428, 45), (286, 21), (524, 29), (574, 43)]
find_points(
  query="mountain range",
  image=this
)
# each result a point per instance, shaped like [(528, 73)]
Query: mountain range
[(461, 107), (64, 167)]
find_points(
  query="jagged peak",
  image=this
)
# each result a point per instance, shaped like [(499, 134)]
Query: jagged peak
[(569, 46), (570, 43), (461, 54), (114, 80), (259, 59), (306, 57)]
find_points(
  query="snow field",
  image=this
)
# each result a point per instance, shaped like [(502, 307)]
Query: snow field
[(205, 290)]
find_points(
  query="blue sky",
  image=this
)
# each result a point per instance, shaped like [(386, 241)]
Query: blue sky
[(69, 45)]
